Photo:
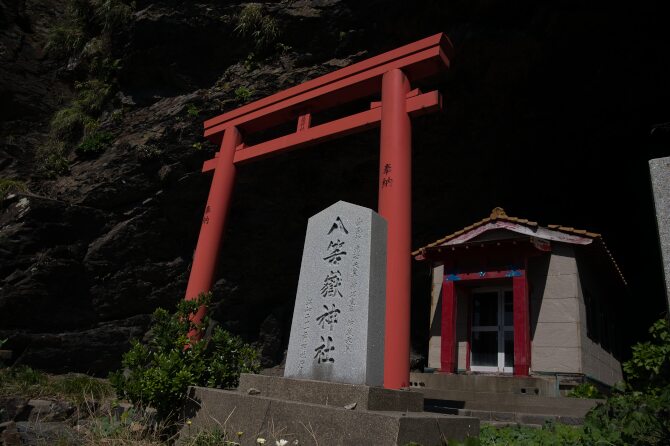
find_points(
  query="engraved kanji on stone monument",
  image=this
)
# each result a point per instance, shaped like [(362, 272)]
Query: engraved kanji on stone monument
[(337, 332)]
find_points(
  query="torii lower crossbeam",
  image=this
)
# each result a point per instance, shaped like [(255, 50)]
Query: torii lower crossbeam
[(390, 75)]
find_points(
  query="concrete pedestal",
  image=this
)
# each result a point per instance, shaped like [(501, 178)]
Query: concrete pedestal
[(315, 412)]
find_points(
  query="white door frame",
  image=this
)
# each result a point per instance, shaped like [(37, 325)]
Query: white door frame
[(500, 329)]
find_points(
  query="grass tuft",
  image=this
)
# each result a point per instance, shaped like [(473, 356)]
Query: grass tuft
[(7, 186), (253, 22), (94, 144), (30, 383), (52, 159)]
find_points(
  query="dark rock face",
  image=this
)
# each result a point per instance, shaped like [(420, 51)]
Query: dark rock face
[(535, 101)]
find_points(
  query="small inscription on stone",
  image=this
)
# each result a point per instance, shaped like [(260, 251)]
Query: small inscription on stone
[(337, 332)]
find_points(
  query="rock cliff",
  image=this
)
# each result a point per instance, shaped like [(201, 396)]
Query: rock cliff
[(547, 112)]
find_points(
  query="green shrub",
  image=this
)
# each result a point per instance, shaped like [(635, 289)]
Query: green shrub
[(638, 411), (158, 373), (94, 144), (649, 367), (253, 22), (7, 186), (585, 390)]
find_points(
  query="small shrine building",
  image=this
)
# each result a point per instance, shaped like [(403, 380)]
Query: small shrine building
[(512, 297)]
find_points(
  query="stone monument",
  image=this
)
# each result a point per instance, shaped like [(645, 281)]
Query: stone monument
[(337, 333), (659, 169)]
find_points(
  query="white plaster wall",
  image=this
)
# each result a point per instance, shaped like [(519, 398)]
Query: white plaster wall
[(435, 341), (556, 341)]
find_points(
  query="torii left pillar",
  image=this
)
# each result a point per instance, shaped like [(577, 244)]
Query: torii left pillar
[(206, 254)]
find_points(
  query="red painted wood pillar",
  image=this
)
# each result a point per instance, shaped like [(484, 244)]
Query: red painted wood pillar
[(521, 325), (213, 222), (395, 195), (448, 334)]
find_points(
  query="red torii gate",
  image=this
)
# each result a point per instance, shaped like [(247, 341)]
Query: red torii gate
[(389, 73)]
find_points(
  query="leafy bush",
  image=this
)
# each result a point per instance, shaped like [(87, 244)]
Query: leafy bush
[(638, 411), (158, 373), (585, 390), (649, 367), (631, 417), (253, 22), (94, 144), (6, 186)]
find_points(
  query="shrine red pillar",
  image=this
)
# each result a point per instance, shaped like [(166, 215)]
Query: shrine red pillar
[(395, 194), (448, 332), (521, 324), (213, 222)]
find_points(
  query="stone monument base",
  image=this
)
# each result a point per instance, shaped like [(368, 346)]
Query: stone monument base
[(320, 413)]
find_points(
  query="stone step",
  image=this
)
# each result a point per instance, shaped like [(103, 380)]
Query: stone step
[(330, 394), (511, 418), (309, 423), (563, 406), (517, 385)]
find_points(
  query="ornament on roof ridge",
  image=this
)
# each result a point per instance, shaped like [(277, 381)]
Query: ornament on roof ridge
[(497, 213)]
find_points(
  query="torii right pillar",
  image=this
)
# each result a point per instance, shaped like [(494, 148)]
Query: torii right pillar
[(395, 205)]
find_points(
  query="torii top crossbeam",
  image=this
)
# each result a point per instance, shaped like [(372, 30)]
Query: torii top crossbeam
[(388, 74)]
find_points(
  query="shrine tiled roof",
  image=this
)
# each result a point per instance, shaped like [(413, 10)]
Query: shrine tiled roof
[(498, 214)]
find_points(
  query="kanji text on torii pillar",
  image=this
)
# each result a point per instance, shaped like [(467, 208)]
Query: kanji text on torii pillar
[(390, 74)]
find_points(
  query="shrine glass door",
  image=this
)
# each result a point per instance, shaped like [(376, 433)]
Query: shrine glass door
[(492, 336)]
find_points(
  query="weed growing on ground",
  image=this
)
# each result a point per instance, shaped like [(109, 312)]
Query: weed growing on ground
[(94, 144), (30, 383), (7, 186), (253, 22), (85, 34), (585, 390), (192, 111), (242, 94), (148, 152), (52, 159)]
